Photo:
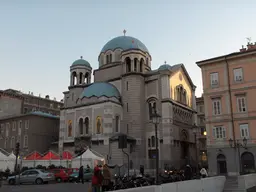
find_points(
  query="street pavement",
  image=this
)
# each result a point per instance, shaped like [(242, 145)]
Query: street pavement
[(58, 187)]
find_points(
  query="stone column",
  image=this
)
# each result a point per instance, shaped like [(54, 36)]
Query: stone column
[(194, 105), (132, 65), (71, 79)]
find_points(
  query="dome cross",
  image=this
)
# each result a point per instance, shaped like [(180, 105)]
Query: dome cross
[(165, 62), (81, 57)]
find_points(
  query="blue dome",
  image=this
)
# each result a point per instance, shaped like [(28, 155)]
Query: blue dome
[(81, 61), (101, 89), (124, 43), (165, 67)]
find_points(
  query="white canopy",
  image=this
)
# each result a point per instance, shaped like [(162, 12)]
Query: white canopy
[(88, 154), (3, 156), (12, 156)]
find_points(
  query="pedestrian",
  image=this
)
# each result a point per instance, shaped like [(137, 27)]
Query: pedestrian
[(188, 172), (106, 178), (81, 174), (203, 172), (97, 179)]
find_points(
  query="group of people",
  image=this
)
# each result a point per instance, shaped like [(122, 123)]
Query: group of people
[(101, 178), (188, 173)]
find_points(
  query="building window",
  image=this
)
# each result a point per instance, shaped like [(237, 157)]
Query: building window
[(214, 79), (241, 104), (26, 124), (107, 59), (238, 74), (110, 58), (151, 109), (86, 123), (216, 105), (149, 142), (5, 143), (127, 129), (7, 129), (127, 86), (244, 130), (51, 105), (12, 144), (14, 126), (2, 129), (25, 110), (219, 132), (153, 142), (127, 107), (81, 128), (117, 123), (25, 142)]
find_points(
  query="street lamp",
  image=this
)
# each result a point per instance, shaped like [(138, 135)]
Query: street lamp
[(195, 131), (156, 120), (236, 144), (205, 133)]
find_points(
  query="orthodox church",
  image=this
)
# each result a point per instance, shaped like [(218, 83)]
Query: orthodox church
[(125, 92)]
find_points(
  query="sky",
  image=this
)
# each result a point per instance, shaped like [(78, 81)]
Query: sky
[(39, 39)]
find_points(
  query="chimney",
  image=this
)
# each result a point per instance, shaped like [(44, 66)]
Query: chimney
[(32, 93), (243, 49), (47, 97), (39, 95), (54, 98)]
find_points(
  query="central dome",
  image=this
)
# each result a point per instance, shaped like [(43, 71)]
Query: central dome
[(100, 89), (125, 43)]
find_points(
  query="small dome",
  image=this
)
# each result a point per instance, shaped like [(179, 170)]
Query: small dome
[(81, 61), (124, 43), (100, 89), (165, 67)]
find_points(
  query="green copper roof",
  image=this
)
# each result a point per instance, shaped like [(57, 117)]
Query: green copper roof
[(125, 43), (165, 67), (81, 61), (100, 89)]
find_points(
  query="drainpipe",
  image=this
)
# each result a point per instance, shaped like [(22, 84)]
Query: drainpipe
[(231, 107)]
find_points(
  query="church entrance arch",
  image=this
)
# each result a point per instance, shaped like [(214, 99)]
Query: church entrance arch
[(222, 164), (248, 163)]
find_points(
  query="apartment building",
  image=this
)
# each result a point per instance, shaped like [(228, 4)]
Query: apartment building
[(202, 135), (10, 104), (35, 103), (35, 131), (229, 89)]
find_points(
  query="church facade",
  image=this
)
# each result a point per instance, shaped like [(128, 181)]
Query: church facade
[(121, 100)]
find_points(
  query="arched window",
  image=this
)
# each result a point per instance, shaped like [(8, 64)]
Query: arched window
[(147, 62), (149, 142), (86, 123), (151, 108), (153, 142), (185, 97), (141, 65), (86, 78), (128, 64), (117, 123), (107, 59), (80, 78), (135, 64), (110, 58), (74, 78), (81, 128)]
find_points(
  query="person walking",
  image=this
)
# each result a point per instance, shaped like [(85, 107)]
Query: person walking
[(188, 172), (81, 175), (97, 179), (106, 178), (203, 173)]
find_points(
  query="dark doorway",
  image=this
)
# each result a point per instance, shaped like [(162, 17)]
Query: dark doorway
[(247, 161), (222, 164)]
